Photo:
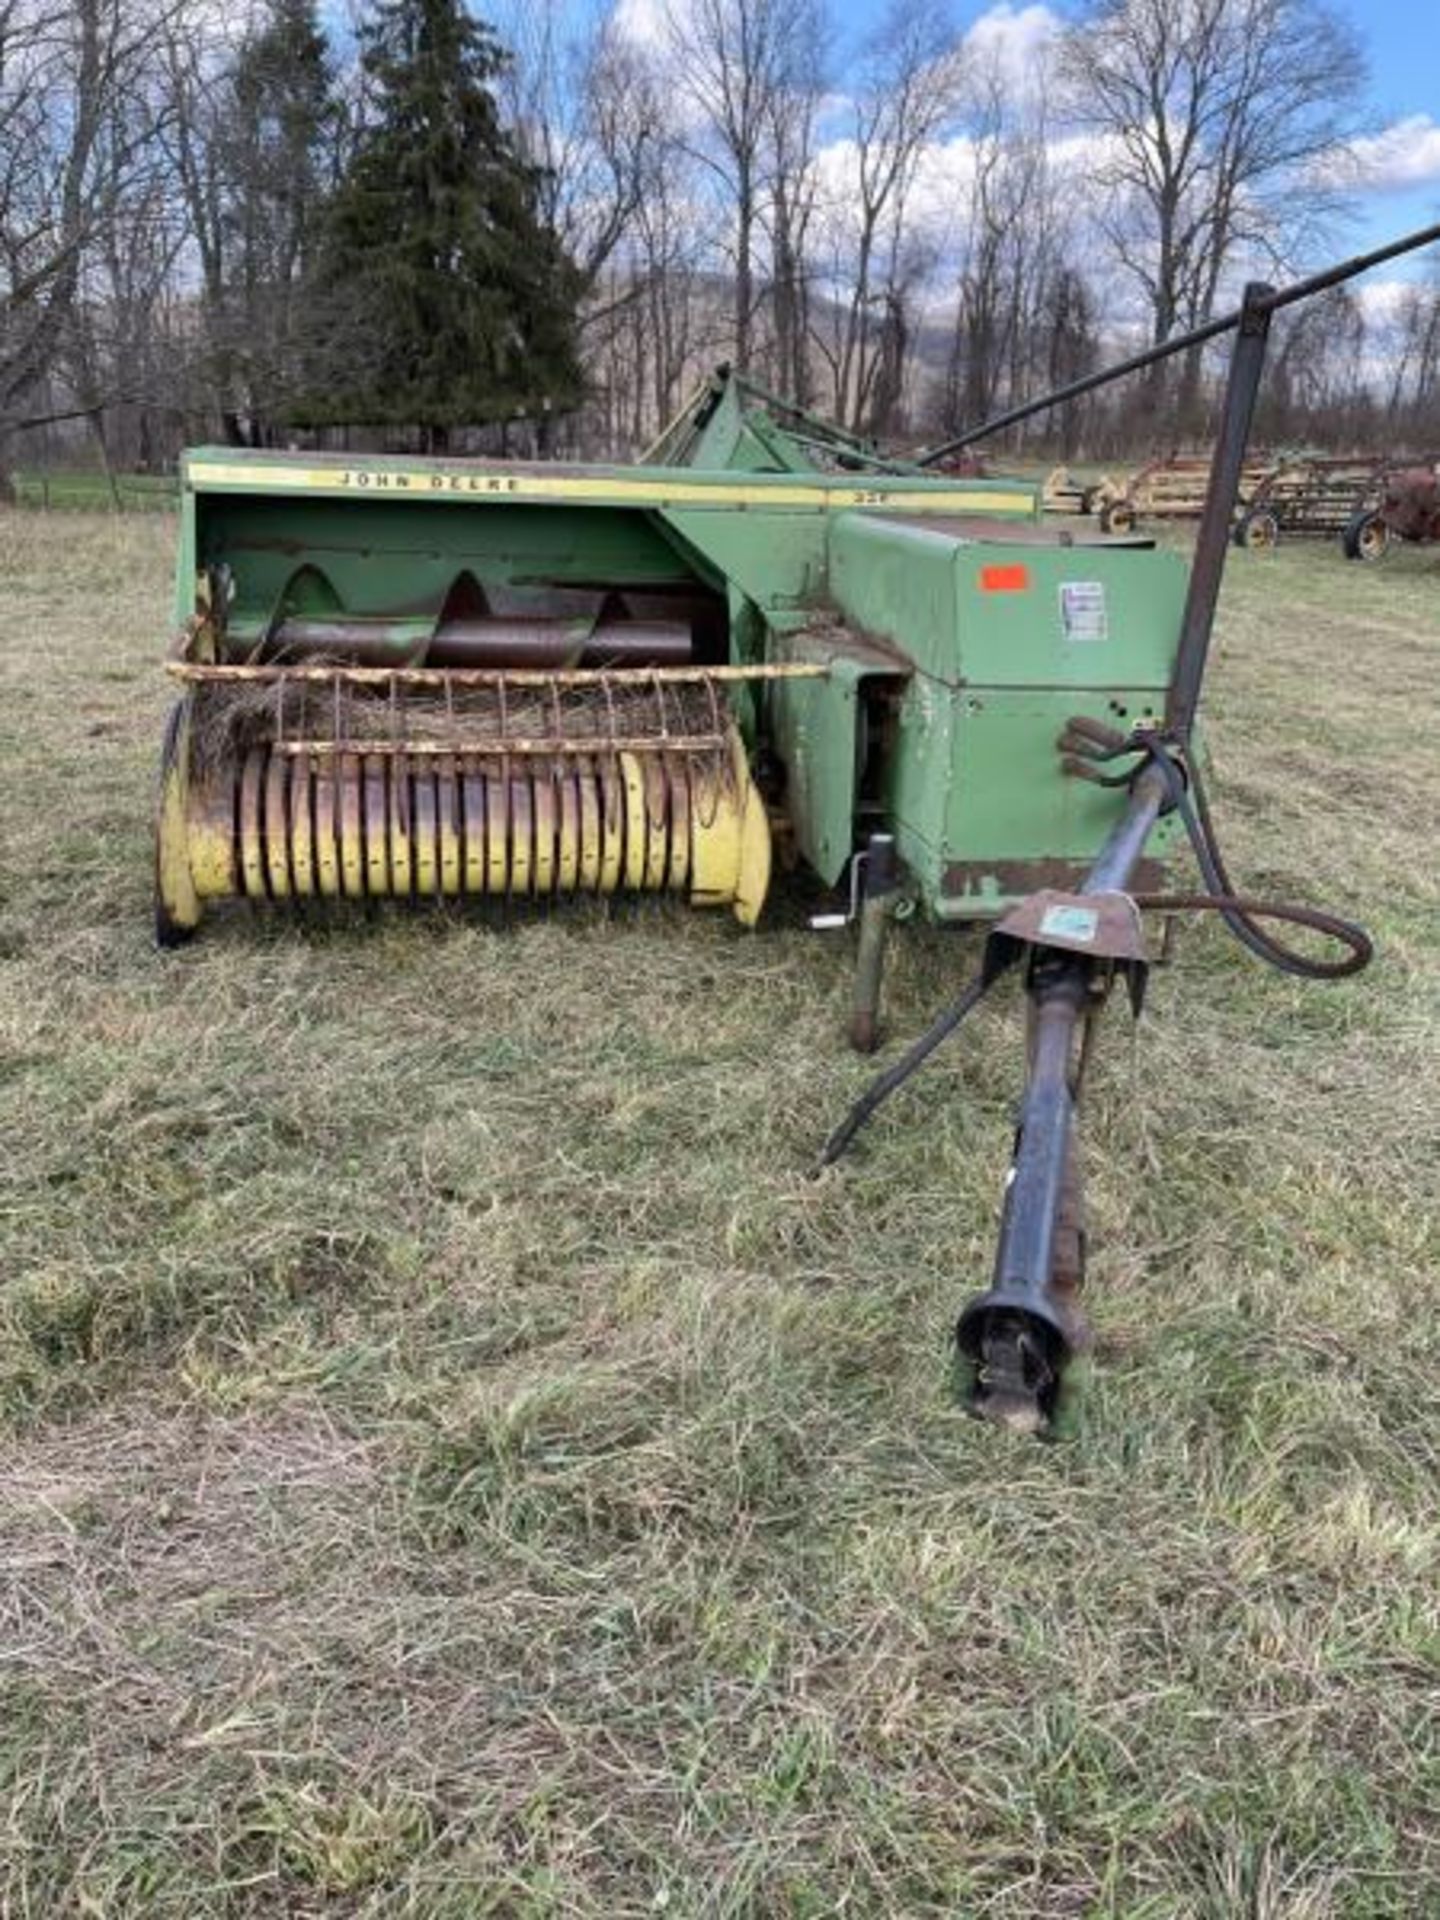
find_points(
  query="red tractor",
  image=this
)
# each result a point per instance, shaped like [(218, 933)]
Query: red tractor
[(1408, 509)]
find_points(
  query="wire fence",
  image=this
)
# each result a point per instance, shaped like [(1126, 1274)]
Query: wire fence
[(76, 490)]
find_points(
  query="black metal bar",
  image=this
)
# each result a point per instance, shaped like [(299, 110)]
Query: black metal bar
[(1115, 862), (1021, 1333), (1207, 568), (1182, 342), (1025, 1254)]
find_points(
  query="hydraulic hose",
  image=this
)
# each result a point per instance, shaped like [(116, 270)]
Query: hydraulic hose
[(1241, 913)]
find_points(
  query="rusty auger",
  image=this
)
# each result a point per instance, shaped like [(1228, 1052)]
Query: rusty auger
[(1016, 1340)]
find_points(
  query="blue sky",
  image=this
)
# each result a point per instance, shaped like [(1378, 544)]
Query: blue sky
[(1403, 150), (1399, 153), (1404, 41)]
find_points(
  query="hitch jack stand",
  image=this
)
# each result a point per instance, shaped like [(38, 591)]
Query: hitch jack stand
[(877, 908)]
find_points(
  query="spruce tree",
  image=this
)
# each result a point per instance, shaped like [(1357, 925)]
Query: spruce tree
[(441, 299), (276, 128)]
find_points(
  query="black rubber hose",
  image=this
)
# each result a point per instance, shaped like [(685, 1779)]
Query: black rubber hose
[(1240, 913)]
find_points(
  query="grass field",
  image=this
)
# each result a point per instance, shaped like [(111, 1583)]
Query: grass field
[(458, 1462), (89, 492)]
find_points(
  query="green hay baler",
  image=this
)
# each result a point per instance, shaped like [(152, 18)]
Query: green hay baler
[(424, 679)]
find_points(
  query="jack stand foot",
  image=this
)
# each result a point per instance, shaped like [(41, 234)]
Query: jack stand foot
[(875, 913)]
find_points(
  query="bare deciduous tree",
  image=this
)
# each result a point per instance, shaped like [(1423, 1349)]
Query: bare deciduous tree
[(588, 112), (909, 86), (734, 63), (1212, 120), (76, 127)]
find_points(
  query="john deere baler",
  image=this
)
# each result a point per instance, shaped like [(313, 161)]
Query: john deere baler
[(421, 680), (412, 680)]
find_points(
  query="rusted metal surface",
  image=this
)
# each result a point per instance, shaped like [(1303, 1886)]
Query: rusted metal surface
[(512, 744), (1410, 504), (965, 880), (1103, 925), (1309, 494), (316, 716), (441, 677), (1169, 488), (491, 642)]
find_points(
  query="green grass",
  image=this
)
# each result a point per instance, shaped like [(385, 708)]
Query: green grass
[(69, 490), (458, 1462)]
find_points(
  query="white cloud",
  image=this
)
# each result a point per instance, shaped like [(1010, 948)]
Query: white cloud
[(644, 23), (1406, 154), (1014, 43), (1382, 301)]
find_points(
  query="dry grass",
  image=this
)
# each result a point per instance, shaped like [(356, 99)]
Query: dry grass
[(459, 1463)]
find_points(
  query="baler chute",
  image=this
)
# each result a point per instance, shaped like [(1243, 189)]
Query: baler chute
[(428, 680)]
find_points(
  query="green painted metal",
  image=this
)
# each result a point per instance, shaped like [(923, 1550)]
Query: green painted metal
[(959, 635), (391, 535), (974, 790)]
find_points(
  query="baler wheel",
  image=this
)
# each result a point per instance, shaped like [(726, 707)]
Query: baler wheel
[(1117, 517)]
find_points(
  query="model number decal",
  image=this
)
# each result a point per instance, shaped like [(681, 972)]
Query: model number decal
[(1083, 613)]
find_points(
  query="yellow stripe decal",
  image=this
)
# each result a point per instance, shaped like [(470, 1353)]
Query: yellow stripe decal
[(395, 483)]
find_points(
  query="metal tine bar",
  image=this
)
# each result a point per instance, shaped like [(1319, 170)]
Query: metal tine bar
[(493, 676), (660, 709), (695, 743), (609, 707), (559, 710)]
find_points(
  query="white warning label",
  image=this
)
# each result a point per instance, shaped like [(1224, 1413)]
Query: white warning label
[(1083, 614)]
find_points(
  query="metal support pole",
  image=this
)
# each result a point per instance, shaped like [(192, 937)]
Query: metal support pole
[(1247, 363), (876, 909)]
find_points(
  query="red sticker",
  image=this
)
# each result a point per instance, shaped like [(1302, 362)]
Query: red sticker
[(1004, 579)]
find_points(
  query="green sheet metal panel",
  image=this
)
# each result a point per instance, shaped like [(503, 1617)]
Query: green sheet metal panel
[(813, 726), (392, 533), (1009, 638), (1080, 616), (898, 580), (381, 557), (1012, 820)]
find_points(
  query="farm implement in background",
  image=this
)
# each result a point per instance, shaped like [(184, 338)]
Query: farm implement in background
[(419, 680), (1172, 488), (1361, 500)]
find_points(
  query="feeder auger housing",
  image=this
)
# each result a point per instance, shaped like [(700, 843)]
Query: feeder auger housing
[(420, 679)]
